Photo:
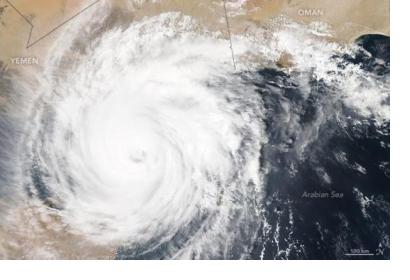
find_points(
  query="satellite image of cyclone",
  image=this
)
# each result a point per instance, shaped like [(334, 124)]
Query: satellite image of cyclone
[(209, 129)]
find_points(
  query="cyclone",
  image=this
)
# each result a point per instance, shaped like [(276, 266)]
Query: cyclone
[(140, 143), (147, 141)]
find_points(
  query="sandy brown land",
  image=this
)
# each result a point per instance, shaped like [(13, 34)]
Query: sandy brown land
[(349, 18), (32, 234)]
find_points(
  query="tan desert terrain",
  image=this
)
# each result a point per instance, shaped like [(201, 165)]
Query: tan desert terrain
[(349, 19)]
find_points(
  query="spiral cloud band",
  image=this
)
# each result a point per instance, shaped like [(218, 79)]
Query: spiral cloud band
[(140, 143)]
